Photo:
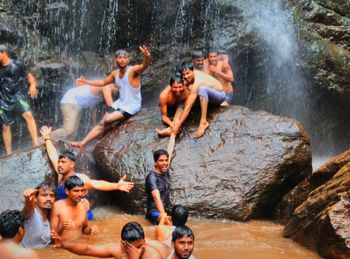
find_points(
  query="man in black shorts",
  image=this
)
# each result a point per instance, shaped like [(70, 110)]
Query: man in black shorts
[(158, 187), (14, 77)]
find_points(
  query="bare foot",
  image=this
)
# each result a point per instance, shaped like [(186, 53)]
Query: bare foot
[(164, 132), (80, 145), (201, 129), (224, 104)]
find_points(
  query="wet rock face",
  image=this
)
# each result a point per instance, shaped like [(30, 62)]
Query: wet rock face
[(318, 209), (239, 169)]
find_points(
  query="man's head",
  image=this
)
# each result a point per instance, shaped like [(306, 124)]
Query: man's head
[(183, 242), (223, 56), (121, 58), (179, 215), (66, 162), (132, 233), (3, 52), (187, 72), (213, 57), (198, 59), (177, 85), (45, 196), (161, 160), (74, 188), (12, 225)]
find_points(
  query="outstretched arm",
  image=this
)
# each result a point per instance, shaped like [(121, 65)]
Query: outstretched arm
[(102, 185), (158, 201), (107, 80), (50, 148), (108, 250), (32, 85), (139, 69), (29, 202)]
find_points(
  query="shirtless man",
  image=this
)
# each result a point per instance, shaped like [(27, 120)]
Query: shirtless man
[(71, 209), (12, 232), (222, 71), (128, 80), (132, 246), (183, 243), (210, 91), (64, 165), (13, 78)]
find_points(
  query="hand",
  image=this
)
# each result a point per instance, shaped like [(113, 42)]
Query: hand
[(32, 91), (29, 194), (45, 132), (57, 239), (176, 129), (145, 51), (94, 230), (212, 69), (131, 251), (80, 81), (125, 186), (69, 224)]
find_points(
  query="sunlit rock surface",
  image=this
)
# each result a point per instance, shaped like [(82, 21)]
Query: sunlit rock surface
[(242, 166), (317, 211)]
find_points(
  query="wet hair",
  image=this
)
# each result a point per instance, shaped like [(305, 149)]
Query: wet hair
[(3, 48), (68, 154), (179, 215), (186, 65), (158, 153), (132, 231), (10, 223), (44, 185), (121, 52), (73, 181), (176, 78), (197, 54), (180, 232)]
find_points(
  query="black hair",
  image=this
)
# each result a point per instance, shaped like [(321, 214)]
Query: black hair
[(73, 181), (68, 154), (132, 231), (121, 52), (213, 50), (222, 51), (186, 65), (3, 48), (179, 215), (158, 153), (180, 232), (176, 78), (197, 54), (10, 223), (44, 185)]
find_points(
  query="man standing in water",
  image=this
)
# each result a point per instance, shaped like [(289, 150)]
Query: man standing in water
[(71, 209), (13, 79), (128, 80), (64, 165), (183, 243), (38, 203), (158, 187), (12, 232)]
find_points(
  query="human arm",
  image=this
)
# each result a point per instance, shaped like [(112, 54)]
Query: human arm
[(162, 230), (102, 185), (158, 201), (29, 202), (55, 219), (108, 250), (32, 85), (164, 109), (139, 69), (223, 70), (50, 148), (87, 230), (102, 82)]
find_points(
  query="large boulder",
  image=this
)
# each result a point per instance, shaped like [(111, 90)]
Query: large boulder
[(317, 211), (242, 166)]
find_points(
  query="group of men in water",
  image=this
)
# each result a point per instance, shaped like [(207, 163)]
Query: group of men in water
[(62, 213)]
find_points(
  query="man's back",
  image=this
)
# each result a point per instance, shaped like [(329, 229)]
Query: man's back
[(204, 80), (11, 250)]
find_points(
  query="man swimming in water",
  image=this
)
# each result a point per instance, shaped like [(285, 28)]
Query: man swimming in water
[(71, 209), (132, 245), (13, 79), (128, 80)]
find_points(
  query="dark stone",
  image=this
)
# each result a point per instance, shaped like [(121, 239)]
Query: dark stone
[(239, 169)]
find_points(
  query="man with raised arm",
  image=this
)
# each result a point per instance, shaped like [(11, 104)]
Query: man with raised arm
[(38, 203), (128, 80), (64, 165), (72, 209), (132, 245), (12, 232), (14, 77)]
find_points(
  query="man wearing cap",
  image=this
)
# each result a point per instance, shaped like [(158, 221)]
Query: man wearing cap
[(64, 165), (128, 80)]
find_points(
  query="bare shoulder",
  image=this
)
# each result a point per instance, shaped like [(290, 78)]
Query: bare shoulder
[(151, 252), (83, 177), (14, 251), (164, 94)]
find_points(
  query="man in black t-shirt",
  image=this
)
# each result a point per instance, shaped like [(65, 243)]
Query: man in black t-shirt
[(14, 77), (158, 187)]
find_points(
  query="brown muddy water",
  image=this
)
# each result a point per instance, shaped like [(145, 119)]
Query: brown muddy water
[(213, 238)]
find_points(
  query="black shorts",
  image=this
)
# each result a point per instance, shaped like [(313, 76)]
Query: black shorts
[(125, 114), (20, 106)]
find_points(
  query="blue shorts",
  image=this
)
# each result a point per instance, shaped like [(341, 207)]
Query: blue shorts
[(213, 96)]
